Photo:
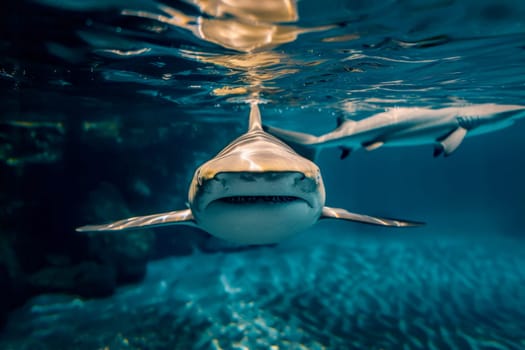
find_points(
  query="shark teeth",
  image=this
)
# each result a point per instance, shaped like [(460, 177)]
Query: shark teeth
[(258, 199)]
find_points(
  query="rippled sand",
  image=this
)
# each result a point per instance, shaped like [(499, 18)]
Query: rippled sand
[(309, 293)]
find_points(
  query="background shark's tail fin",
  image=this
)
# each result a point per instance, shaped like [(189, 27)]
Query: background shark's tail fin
[(308, 151), (304, 144), (255, 118)]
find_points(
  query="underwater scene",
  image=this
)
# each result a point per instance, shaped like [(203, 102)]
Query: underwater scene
[(272, 174)]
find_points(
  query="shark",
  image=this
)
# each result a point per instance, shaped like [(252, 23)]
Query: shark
[(257, 190), (444, 128)]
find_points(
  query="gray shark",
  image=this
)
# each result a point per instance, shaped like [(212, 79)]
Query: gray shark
[(257, 190), (444, 128)]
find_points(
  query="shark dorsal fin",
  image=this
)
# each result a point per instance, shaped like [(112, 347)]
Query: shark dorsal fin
[(340, 120), (255, 118), (345, 123)]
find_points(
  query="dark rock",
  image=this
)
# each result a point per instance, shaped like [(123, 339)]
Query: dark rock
[(126, 252), (87, 279), (179, 241), (31, 141), (13, 290), (5, 295)]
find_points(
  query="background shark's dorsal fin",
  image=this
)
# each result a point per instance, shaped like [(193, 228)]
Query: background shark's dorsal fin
[(344, 120), (340, 120), (255, 118)]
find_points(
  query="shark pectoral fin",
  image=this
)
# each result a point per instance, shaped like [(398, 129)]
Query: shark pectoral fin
[(184, 217), (342, 214), (451, 142), (370, 146), (345, 151)]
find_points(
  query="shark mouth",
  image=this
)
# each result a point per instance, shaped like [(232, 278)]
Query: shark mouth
[(258, 199)]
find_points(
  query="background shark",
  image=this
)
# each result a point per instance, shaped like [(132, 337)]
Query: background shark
[(257, 190), (444, 128)]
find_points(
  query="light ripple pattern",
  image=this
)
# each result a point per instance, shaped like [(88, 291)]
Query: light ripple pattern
[(345, 293)]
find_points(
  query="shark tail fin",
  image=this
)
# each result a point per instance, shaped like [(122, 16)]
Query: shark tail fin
[(309, 152), (302, 143), (255, 118)]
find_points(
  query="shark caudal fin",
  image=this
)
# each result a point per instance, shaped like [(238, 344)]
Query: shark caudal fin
[(342, 214), (184, 217), (302, 143)]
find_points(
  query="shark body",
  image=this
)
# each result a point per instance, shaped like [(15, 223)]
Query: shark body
[(444, 128), (257, 190)]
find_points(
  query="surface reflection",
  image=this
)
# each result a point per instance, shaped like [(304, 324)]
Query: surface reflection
[(261, 11), (254, 69), (252, 28), (244, 26)]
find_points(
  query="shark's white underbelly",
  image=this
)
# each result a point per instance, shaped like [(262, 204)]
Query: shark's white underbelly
[(258, 223), (433, 133), (418, 136)]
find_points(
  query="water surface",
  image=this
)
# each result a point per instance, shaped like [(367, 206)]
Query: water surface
[(139, 93)]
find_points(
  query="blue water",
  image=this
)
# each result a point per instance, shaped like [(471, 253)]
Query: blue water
[(139, 93)]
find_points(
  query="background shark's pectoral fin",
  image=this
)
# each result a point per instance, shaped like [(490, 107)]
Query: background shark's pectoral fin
[(184, 217), (451, 142), (342, 214), (345, 151), (372, 145)]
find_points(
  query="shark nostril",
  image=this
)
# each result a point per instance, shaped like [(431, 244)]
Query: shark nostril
[(300, 177)]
